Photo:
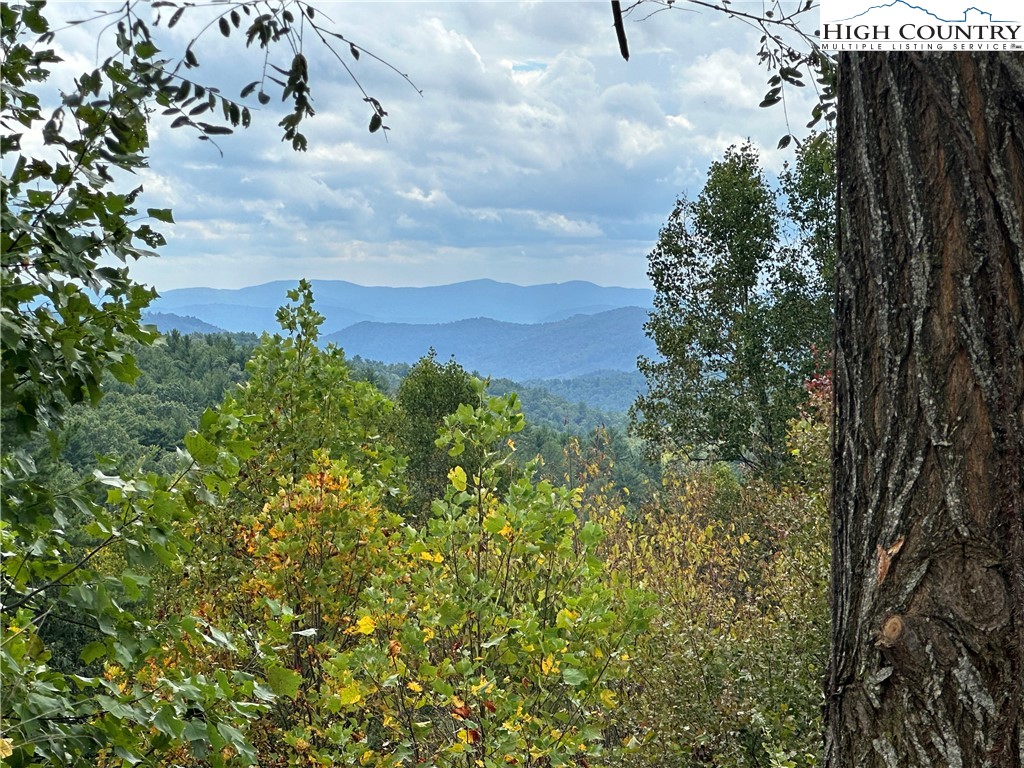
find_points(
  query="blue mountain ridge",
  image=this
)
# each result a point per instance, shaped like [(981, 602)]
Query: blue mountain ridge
[(344, 304), (563, 349)]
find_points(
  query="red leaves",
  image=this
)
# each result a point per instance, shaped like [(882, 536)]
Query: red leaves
[(460, 711)]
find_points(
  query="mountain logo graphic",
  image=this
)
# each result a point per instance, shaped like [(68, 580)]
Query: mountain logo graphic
[(971, 14)]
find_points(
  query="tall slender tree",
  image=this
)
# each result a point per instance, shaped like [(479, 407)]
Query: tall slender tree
[(742, 300)]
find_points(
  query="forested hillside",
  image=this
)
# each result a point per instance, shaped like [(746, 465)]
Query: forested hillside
[(143, 424), (577, 346)]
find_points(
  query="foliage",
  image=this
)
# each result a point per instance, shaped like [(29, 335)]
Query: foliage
[(429, 393), (84, 552), (69, 318), (486, 634), (61, 713), (284, 536), (577, 406), (732, 671), (610, 391), (741, 306), (508, 640)]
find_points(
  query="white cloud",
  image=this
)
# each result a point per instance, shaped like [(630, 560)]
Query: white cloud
[(534, 154), (431, 199), (562, 225)]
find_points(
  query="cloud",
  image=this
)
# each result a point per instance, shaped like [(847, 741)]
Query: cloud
[(534, 153)]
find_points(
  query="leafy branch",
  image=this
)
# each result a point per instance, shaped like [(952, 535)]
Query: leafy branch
[(787, 49)]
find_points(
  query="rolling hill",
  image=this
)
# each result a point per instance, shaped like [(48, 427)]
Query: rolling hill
[(564, 349), (170, 321)]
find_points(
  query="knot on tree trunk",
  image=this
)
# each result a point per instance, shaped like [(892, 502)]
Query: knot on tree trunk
[(916, 646)]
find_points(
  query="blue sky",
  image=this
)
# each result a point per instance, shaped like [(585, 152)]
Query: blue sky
[(535, 154)]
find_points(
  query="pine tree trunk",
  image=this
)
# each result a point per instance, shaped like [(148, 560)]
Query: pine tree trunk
[(928, 499)]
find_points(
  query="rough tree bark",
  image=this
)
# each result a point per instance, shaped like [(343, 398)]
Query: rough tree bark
[(927, 661)]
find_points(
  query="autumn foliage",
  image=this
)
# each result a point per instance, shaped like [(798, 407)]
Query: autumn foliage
[(489, 635), (731, 672)]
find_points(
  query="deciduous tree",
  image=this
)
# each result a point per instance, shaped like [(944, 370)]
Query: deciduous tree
[(741, 304), (70, 316), (429, 393)]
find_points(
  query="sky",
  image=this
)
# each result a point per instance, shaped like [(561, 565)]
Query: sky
[(535, 153)]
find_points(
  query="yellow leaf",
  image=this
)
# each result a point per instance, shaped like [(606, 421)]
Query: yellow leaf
[(457, 477), (484, 685), (432, 557), (6, 748), (350, 694), (609, 699), (366, 757), (413, 686), (548, 665), (366, 626)]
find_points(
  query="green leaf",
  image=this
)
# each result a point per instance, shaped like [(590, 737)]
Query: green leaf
[(146, 49), (195, 730), (494, 523), (574, 677), (93, 651), (200, 449), (116, 708), (168, 722), (284, 682), (161, 214), (591, 534)]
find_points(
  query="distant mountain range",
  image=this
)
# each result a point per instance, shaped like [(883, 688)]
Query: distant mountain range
[(565, 349), (554, 331), (344, 304)]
